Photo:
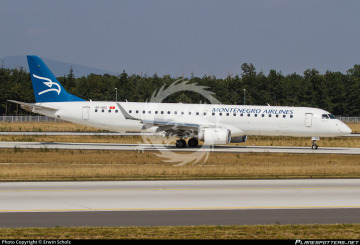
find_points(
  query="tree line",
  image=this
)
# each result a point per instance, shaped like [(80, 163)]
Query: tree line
[(335, 92)]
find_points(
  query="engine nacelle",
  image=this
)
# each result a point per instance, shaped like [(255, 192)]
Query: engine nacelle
[(215, 136), (239, 139)]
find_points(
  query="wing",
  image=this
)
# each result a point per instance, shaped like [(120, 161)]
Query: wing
[(168, 126), (31, 107)]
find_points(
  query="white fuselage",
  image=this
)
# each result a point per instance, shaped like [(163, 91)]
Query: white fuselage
[(239, 119)]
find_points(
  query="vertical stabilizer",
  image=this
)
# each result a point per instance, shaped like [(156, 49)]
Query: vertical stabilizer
[(46, 87)]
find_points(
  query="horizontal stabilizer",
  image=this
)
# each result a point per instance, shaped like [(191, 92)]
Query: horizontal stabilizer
[(30, 107)]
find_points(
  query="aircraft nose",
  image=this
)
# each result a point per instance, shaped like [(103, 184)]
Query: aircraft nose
[(345, 129)]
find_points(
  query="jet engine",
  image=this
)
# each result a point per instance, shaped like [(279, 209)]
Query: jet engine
[(215, 136)]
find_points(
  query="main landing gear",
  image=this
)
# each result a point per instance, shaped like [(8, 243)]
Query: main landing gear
[(181, 143), (314, 145)]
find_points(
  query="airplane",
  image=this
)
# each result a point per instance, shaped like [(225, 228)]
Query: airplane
[(213, 124)]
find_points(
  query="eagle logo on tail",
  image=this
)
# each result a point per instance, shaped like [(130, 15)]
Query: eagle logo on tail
[(50, 84)]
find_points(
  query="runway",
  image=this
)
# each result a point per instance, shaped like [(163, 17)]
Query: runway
[(212, 202), (156, 203), (163, 147)]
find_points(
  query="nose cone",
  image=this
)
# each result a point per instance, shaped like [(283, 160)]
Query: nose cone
[(345, 129)]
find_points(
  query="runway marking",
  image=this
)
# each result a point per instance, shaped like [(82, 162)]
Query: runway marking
[(172, 209)]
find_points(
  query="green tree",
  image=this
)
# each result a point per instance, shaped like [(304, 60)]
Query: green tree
[(352, 89)]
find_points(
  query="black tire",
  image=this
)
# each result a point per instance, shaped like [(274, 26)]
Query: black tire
[(181, 143), (193, 142)]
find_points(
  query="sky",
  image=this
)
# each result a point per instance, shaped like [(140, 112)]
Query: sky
[(186, 37)]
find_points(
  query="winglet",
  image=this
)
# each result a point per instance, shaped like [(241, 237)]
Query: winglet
[(126, 115)]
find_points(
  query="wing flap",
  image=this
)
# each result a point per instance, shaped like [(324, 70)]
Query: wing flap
[(171, 124)]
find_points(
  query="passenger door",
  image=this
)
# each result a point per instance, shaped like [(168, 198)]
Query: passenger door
[(85, 112)]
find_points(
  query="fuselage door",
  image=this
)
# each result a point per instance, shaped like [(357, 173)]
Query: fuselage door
[(85, 112), (308, 119)]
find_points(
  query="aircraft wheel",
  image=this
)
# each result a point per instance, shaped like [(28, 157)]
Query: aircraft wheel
[(314, 145), (193, 142), (181, 143)]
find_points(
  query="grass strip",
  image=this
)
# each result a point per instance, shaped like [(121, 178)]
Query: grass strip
[(60, 165), (277, 231)]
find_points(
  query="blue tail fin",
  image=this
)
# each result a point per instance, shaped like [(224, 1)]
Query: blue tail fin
[(46, 87)]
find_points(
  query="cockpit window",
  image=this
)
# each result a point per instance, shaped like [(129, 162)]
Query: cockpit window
[(328, 116)]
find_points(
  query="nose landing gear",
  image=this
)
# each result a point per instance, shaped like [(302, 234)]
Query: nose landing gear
[(314, 145)]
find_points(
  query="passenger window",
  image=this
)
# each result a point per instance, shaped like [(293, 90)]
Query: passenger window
[(130, 111), (227, 114), (197, 113), (291, 116), (116, 111), (137, 111), (248, 115), (96, 110), (234, 115), (255, 115), (262, 115), (213, 113), (168, 112), (284, 116)]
